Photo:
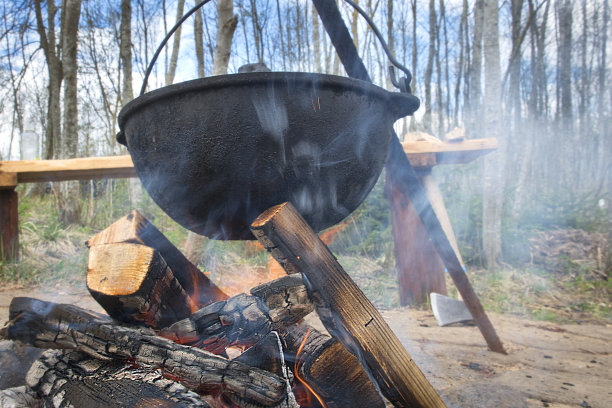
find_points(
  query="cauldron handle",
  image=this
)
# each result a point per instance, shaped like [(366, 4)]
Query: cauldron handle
[(164, 41), (403, 84)]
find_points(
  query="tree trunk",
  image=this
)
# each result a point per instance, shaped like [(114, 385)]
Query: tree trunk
[(198, 33), (68, 197), (493, 188), (316, 40), (226, 25), (476, 69), (125, 50), (175, 45), (430, 61)]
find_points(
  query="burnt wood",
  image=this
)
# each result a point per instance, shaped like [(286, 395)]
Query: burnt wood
[(329, 368), (405, 179), (20, 397), (59, 326), (135, 228), (344, 310), (240, 320), (73, 379), (133, 283)]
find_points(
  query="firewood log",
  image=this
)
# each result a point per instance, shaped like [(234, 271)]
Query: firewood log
[(49, 325), (244, 319), (133, 283), (343, 308), (134, 228), (329, 369), (74, 379), (20, 397)]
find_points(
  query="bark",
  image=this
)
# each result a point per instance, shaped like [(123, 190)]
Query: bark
[(175, 45), (343, 308), (281, 33), (476, 68), (316, 40), (75, 379), (565, 60), (67, 327), (243, 320), (198, 33), (134, 284), (226, 25), (460, 61), (493, 186), (68, 197), (329, 369), (134, 228), (49, 46), (430, 61), (125, 50)]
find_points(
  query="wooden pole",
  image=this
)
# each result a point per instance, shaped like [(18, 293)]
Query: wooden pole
[(404, 176), (420, 270), (9, 217), (345, 311)]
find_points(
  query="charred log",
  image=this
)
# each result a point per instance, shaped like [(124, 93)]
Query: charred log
[(73, 379), (329, 369), (133, 283), (134, 228), (345, 311), (243, 319), (50, 325), (20, 397)]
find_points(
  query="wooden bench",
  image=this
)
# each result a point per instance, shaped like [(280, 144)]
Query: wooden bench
[(13, 173), (420, 269), (423, 155)]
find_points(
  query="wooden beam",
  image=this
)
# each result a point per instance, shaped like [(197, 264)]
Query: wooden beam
[(31, 171), (8, 181), (422, 151)]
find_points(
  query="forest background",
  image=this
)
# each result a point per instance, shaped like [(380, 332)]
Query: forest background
[(536, 215)]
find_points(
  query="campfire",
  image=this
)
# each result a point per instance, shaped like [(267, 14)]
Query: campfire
[(172, 337)]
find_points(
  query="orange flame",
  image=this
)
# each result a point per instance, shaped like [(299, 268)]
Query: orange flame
[(298, 362)]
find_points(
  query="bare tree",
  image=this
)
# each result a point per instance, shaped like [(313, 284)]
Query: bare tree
[(494, 164), (226, 26), (171, 72)]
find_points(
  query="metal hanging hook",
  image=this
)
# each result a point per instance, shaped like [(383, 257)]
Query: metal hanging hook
[(404, 83)]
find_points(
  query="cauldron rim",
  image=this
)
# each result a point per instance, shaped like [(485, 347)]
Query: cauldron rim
[(396, 101)]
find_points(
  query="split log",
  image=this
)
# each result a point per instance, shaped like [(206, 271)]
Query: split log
[(133, 283), (134, 228), (65, 379), (60, 326), (345, 311), (332, 372), (243, 319)]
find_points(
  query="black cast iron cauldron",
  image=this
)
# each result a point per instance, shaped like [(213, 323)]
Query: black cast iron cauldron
[(214, 153)]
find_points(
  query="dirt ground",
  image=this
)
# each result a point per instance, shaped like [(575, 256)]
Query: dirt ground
[(547, 365)]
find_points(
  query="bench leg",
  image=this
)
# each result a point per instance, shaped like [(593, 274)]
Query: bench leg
[(9, 225)]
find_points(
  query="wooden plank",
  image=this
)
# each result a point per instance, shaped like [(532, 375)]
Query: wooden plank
[(9, 225), (31, 171), (345, 311), (448, 152)]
